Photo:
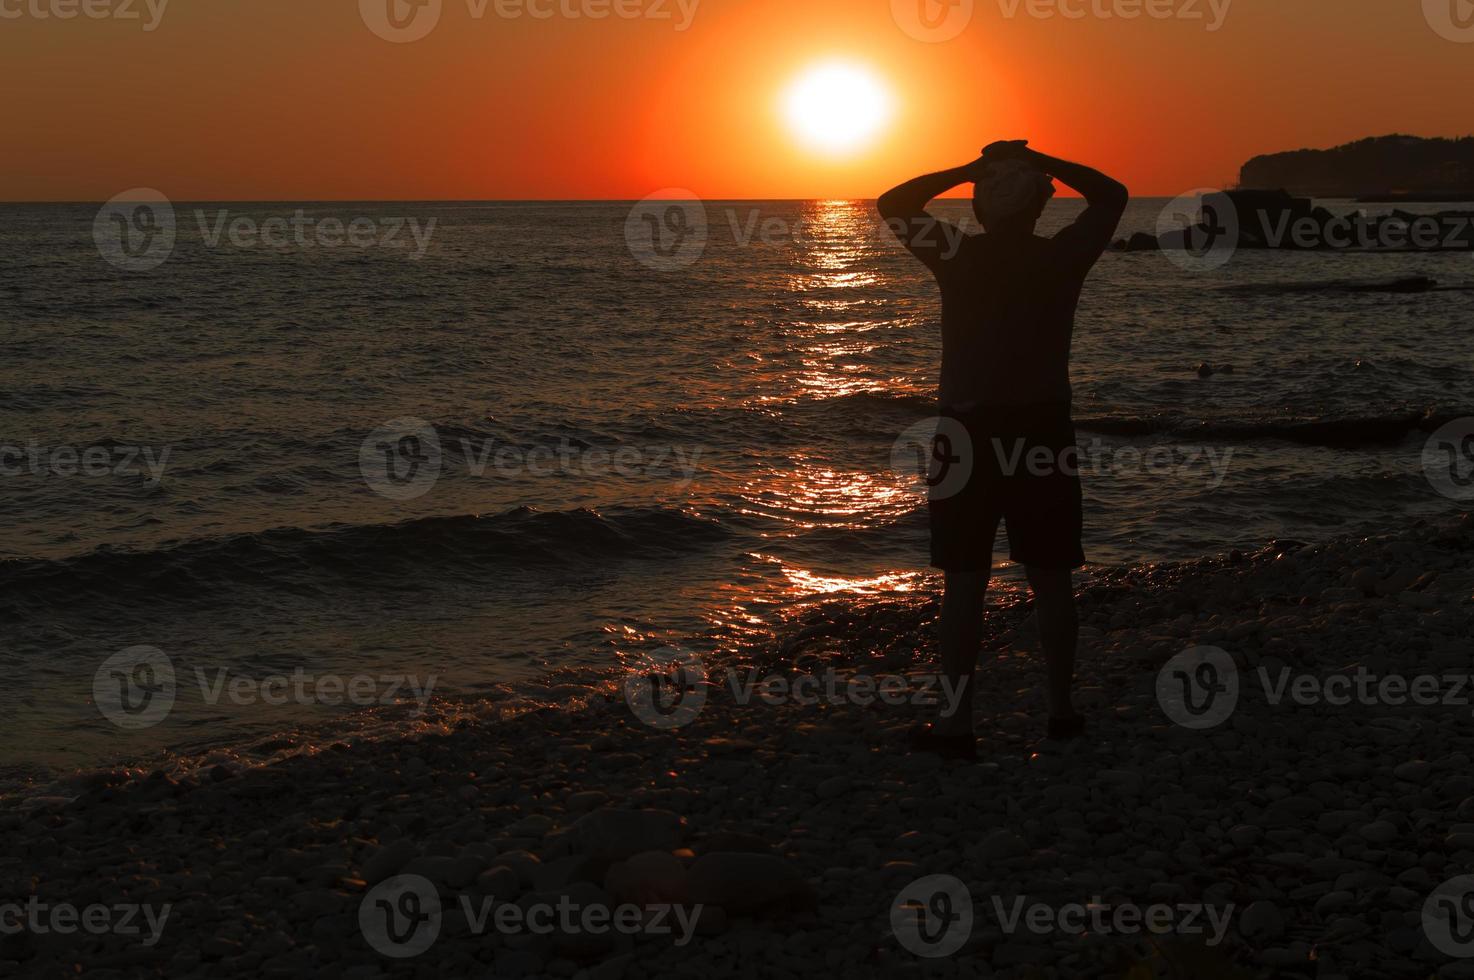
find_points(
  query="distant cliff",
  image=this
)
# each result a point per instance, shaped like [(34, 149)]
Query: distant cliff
[(1382, 165)]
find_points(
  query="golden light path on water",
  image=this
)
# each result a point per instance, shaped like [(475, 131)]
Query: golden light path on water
[(830, 278)]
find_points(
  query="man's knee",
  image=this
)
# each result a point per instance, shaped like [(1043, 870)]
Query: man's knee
[(1051, 584), (966, 585)]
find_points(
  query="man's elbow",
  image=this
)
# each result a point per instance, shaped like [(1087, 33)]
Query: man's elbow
[(1115, 196), (889, 205)]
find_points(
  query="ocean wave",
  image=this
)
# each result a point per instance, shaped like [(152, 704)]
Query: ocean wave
[(1362, 431), (295, 558)]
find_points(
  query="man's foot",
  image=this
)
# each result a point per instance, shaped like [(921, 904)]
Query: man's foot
[(1068, 726), (925, 738)]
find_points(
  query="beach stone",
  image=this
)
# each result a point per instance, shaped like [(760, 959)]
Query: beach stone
[(586, 800), (562, 871), (532, 825), (613, 968), (733, 840), (612, 835), (833, 787), (447, 872), (501, 882), (1262, 920), (1414, 771), (524, 863), (1379, 832), (1333, 902), (1366, 581), (518, 963), (1001, 845), (745, 882), (388, 860), (579, 895), (650, 878), (1244, 835)]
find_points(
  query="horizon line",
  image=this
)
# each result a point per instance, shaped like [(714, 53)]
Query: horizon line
[(524, 200)]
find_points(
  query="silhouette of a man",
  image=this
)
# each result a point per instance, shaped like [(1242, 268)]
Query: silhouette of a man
[(1008, 310)]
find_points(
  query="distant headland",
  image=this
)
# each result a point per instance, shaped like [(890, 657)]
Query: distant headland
[(1382, 168)]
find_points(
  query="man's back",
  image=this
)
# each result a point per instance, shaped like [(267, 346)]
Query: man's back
[(1008, 311)]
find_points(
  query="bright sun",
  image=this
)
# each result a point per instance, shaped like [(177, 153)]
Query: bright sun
[(836, 107)]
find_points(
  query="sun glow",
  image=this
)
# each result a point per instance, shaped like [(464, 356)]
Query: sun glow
[(836, 107)]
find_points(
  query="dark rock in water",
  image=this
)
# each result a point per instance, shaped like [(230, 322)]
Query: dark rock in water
[(1285, 546), (1412, 284), (1139, 242), (1205, 370), (1266, 219)]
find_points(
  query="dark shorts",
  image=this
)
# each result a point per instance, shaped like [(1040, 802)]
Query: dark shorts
[(1020, 465)]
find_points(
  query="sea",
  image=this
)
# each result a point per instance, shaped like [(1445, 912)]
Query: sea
[(343, 447)]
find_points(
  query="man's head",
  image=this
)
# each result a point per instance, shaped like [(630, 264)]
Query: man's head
[(1010, 197)]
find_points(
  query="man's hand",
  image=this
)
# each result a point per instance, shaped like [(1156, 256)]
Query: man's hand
[(1007, 150)]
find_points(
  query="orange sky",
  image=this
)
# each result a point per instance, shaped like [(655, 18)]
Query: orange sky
[(300, 100)]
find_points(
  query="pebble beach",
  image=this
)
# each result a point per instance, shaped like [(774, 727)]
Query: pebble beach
[(1311, 829)]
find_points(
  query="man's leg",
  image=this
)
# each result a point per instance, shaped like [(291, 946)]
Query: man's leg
[(1059, 629), (962, 633)]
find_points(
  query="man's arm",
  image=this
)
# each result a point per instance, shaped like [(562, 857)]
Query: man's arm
[(904, 209)]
